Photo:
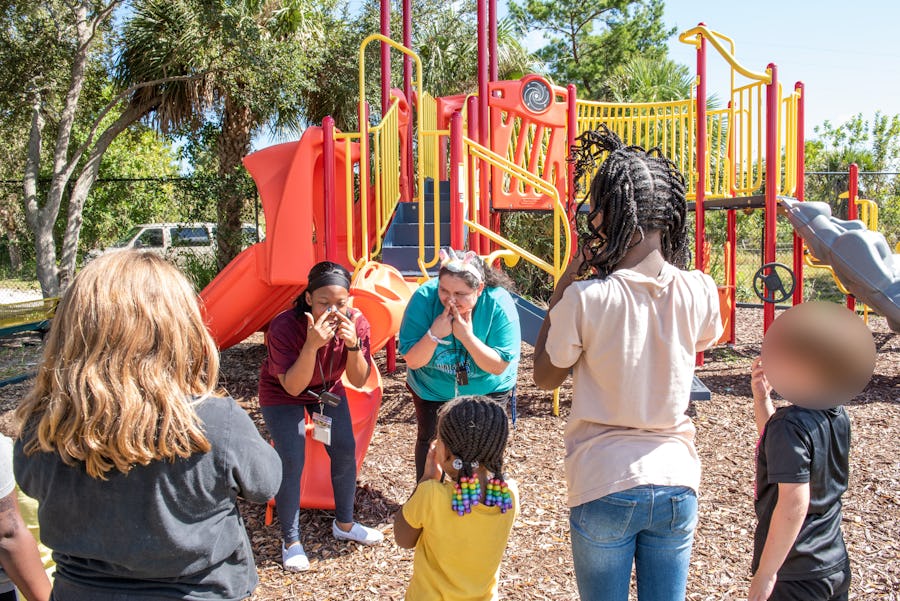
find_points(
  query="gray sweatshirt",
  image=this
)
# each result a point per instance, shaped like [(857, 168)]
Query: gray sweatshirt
[(167, 530)]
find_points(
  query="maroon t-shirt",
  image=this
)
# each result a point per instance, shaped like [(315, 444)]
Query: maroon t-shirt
[(284, 339)]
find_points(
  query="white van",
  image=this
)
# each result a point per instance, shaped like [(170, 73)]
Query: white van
[(176, 240)]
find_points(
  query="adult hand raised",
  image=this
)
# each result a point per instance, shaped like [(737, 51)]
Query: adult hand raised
[(462, 324), (319, 332), (442, 325), (346, 328)]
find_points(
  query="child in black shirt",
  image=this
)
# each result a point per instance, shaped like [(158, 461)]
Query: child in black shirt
[(802, 458)]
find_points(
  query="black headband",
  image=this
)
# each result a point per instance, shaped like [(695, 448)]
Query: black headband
[(329, 278)]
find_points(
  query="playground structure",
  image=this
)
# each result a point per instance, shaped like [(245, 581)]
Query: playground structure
[(439, 171)]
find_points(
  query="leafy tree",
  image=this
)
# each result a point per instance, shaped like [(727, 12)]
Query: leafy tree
[(54, 57), (646, 79), (586, 41), (247, 63)]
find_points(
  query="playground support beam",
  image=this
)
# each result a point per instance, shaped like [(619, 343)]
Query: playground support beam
[(457, 197), (571, 134), (483, 121), (772, 179), (492, 39), (330, 190), (385, 57), (408, 92), (800, 192), (852, 196), (472, 171), (700, 187)]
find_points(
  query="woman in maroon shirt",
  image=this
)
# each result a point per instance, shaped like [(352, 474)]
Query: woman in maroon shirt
[(310, 347)]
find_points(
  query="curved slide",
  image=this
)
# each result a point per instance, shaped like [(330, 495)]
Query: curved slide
[(860, 257), (265, 279)]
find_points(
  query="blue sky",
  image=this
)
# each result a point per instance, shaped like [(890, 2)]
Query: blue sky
[(847, 54)]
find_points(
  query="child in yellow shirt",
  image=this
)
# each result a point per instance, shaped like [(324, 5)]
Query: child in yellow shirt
[(459, 527)]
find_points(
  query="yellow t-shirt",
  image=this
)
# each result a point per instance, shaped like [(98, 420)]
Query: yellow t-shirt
[(457, 557)]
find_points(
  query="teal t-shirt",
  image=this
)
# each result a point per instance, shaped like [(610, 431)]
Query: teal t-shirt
[(495, 322)]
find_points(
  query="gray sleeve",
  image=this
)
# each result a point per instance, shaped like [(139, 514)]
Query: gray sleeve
[(7, 480), (253, 464)]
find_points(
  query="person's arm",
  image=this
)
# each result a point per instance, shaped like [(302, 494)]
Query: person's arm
[(254, 466), (548, 376), (787, 519), (358, 366), (405, 535), (485, 357), (762, 399), (422, 351), (19, 554), (300, 374)]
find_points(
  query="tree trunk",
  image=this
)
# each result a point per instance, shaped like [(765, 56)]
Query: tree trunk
[(83, 185), (234, 144)]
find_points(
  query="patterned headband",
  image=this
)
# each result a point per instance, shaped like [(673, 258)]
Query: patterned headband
[(462, 262)]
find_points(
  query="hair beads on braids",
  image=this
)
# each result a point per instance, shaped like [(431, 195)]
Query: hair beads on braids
[(635, 191), (475, 430)]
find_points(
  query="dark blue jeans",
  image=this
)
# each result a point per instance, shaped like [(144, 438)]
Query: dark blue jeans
[(651, 527), (287, 427)]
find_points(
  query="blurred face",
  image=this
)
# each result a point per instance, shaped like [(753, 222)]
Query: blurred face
[(455, 291), (328, 297)]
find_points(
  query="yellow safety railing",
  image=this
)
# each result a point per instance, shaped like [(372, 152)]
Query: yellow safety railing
[(692, 37), (431, 151), (386, 170), (787, 129), (749, 135), (667, 125), (562, 243), (386, 190)]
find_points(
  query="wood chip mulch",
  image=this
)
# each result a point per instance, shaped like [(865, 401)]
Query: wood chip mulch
[(538, 561)]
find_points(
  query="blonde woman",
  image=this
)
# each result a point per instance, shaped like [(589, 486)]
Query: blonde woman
[(136, 464)]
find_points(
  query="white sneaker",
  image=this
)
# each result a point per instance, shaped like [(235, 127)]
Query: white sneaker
[(294, 558), (358, 533)]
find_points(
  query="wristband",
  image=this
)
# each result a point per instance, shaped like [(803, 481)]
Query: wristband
[(352, 348), (436, 339)]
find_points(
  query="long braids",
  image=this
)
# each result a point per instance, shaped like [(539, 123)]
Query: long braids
[(635, 191), (475, 431)]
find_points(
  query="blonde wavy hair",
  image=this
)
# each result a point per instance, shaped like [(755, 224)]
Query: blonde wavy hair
[(127, 357)]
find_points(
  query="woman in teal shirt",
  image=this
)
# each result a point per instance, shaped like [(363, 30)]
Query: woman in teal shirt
[(460, 336)]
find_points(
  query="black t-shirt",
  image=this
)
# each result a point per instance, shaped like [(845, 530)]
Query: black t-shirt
[(803, 445)]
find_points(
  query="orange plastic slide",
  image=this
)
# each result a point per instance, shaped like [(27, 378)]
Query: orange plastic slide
[(265, 279)]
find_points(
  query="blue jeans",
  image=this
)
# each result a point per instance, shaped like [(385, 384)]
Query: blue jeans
[(651, 526), (286, 425)]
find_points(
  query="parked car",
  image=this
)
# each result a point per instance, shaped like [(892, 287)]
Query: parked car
[(176, 241)]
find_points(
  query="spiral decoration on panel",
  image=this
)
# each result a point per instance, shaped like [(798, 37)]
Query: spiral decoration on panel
[(536, 95)]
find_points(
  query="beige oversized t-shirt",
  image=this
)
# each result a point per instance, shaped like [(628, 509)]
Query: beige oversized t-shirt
[(632, 341)]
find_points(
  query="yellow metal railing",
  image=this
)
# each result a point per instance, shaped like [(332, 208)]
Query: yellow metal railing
[(430, 150), (749, 137), (379, 167), (386, 170), (692, 37), (562, 243), (667, 125)]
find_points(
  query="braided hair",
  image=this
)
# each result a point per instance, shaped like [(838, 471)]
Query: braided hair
[(475, 430), (635, 191)]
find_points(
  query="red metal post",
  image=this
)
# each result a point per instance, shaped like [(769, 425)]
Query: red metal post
[(731, 269), (772, 179), (700, 188), (471, 170), (852, 196), (492, 39), (390, 352), (457, 195), (801, 184), (385, 57), (328, 161), (483, 120), (571, 134), (408, 91)]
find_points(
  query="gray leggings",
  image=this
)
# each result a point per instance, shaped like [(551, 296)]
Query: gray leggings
[(286, 425)]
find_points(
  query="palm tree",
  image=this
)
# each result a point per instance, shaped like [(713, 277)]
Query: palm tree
[(249, 58), (643, 79)]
